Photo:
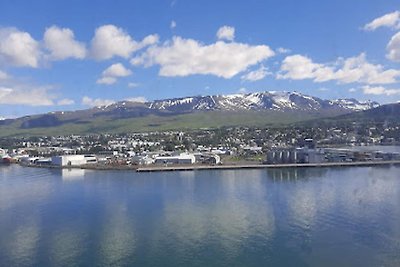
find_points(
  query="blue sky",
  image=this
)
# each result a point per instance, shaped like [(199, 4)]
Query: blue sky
[(65, 55)]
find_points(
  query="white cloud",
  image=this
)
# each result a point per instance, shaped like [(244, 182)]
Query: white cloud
[(242, 90), (282, 50), (298, 67), (18, 48), (117, 70), (3, 75), (140, 60), (352, 90), (62, 44), (106, 80), (256, 75), (16, 91), (87, 101), (380, 90), (26, 96), (226, 33), (350, 70), (133, 85), (358, 69), (4, 92), (148, 40), (110, 41), (138, 99), (391, 20), (65, 102), (173, 24), (183, 57), (110, 75), (393, 48), (98, 102)]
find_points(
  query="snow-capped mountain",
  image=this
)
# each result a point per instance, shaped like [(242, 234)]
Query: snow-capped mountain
[(259, 101), (353, 104), (283, 104)]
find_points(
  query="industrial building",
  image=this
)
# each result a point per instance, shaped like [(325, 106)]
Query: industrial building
[(299, 155), (73, 160), (178, 159)]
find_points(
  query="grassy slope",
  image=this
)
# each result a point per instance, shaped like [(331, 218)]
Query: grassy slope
[(384, 114), (197, 120)]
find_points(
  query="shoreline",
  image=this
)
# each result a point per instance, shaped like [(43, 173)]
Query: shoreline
[(266, 166), (84, 167), (218, 167)]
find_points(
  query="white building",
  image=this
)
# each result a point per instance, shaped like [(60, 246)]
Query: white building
[(179, 159), (73, 160), (28, 160)]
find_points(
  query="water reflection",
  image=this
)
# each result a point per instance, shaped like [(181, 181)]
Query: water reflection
[(292, 174), (223, 217), (19, 188), (278, 217), (72, 174), (66, 245), (117, 236), (23, 243)]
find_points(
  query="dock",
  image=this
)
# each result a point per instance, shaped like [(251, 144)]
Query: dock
[(264, 166)]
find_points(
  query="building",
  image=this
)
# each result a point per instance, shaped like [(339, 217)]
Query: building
[(212, 159), (315, 156), (73, 160), (207, 158), (141, 160), (179, 159), (43, 161), (299, 155), (281, 156)]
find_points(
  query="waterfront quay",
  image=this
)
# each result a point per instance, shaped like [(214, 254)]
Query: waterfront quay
[(265, 166)]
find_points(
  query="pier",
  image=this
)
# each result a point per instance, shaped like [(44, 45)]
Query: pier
[(264, 166)]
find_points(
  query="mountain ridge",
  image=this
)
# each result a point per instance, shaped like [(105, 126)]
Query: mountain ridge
[(253, 101), (261, 108)]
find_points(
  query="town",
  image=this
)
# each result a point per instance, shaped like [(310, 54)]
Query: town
[(231, 145)]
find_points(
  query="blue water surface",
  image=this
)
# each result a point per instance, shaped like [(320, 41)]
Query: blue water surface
[(344, 216)]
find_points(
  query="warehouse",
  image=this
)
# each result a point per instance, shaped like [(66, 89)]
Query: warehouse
[(73, 160), (179, 159)]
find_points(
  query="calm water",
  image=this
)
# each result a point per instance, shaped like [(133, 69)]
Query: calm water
[(294, 217)]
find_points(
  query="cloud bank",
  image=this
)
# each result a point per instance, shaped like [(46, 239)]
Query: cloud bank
[(183, 57)]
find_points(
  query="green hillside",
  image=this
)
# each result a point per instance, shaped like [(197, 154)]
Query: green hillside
[(197, 120)]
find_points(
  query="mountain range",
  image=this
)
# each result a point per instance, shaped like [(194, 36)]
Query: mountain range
[(279, 101), (263, 108)]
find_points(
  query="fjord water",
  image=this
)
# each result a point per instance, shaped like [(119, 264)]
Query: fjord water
[(347, 216)]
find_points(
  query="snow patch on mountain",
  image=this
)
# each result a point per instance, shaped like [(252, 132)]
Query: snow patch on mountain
[(355, 105), (272, 100)]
